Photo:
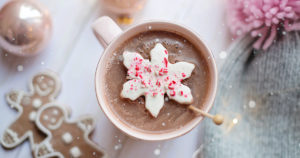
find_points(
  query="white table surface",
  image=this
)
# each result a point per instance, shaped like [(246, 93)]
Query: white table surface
[(73, 52)]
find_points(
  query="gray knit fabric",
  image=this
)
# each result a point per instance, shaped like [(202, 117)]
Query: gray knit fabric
[(262, 91)]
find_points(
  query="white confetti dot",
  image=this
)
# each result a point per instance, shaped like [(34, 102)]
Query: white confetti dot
[(239, 32), (94, 153), (117, 147), (6, 54), (156, 152), (156, 40), (163, 124), (223, 55), (20, 68), (42, 63), (149, 27), (252, 104), (235, 121)]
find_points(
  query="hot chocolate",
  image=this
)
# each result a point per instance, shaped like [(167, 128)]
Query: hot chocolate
[(173, 115)]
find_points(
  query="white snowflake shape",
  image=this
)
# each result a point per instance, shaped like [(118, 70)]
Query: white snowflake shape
[(154, 79)]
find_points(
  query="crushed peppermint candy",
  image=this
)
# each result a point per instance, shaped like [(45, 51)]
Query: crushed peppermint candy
[(155, 78)]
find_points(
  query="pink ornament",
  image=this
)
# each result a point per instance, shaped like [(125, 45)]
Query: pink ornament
[(25, 27), (263, 19)]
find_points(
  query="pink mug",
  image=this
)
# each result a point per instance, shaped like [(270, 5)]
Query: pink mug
[(111, 37)]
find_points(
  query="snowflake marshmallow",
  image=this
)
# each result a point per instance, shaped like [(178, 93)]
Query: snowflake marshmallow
[(155, 78)]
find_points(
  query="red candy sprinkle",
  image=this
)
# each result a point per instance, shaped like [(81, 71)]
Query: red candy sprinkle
[(158, 83), (161, 72), (167, 78), (154, 94), (136, 67), (143, 82), (181, 93), (165, 70), (185, 95), (166, 61), (170, 86), (183, 74), (166, 51), (141, 76), (172, 93), (174, 82), (136, 74)]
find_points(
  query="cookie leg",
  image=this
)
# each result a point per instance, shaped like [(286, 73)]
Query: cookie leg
[(14, 134), (10, 139)]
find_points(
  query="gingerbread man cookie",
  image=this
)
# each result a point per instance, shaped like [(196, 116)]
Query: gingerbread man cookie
[(65, 138), (44, 87)]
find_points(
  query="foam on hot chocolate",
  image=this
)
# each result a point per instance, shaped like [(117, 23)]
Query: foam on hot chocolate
[(155, 78)]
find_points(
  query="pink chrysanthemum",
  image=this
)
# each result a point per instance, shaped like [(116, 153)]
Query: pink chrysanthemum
[(263, 18)]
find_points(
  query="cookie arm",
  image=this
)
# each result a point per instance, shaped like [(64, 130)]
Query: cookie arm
[(86, 123), (14, 98)]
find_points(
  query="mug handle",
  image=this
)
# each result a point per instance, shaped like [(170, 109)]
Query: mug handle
[(105, 29)]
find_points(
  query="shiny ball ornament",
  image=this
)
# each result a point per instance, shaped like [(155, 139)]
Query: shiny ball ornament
[(25, 27)]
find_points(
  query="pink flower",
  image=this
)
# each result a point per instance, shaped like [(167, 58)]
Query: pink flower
[(263, 18)]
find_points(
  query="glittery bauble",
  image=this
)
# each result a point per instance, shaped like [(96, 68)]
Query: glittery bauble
[(25, 27)]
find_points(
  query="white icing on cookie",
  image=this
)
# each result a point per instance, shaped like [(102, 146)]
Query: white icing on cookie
[(53, 120), (45, 117), (83, 126), (154, 79), (41, 92), (26, 100), (55, 126), (67, 138), (55, 112), (32, 116), (36, 103), (13, 135), (75, 152)]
